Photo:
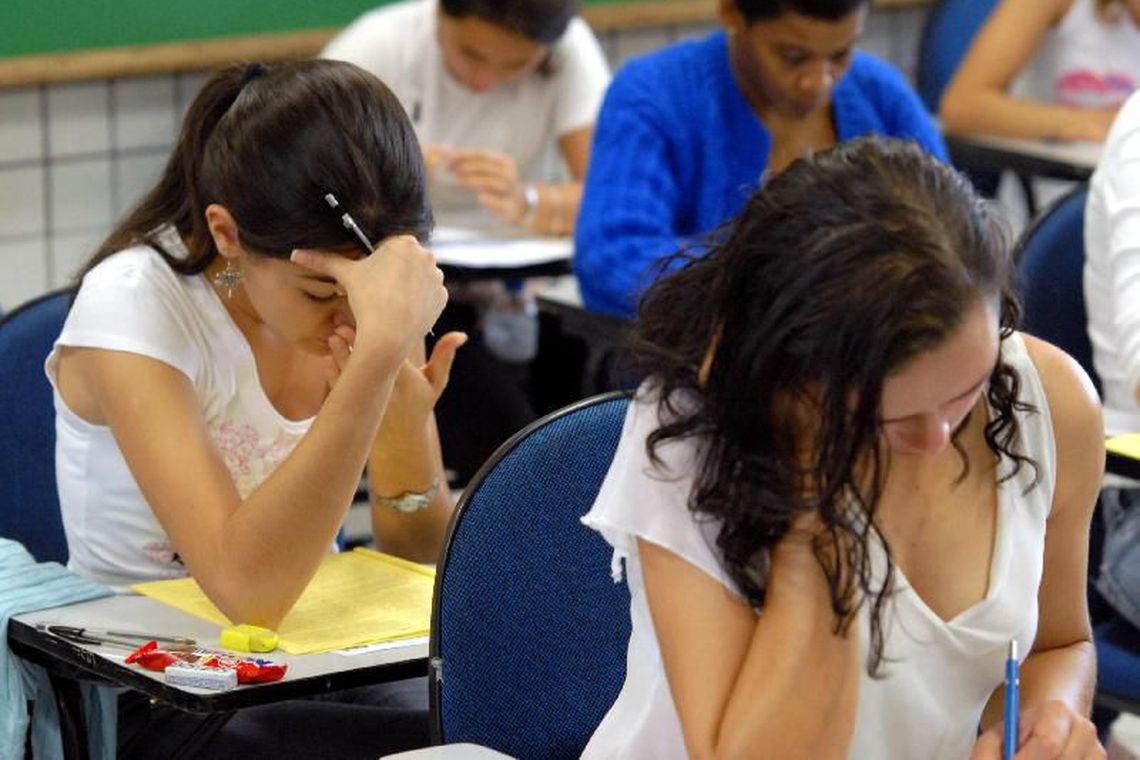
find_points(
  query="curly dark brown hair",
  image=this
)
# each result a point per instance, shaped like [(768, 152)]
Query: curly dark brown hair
[(840, 270)]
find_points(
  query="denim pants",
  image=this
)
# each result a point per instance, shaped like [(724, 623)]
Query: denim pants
[(1119, 579)]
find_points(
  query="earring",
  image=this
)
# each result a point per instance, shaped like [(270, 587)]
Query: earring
[(228, 279)]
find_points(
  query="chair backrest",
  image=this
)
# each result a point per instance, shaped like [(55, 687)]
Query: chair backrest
[(950, 27), (1050, 269), (29, 502), (529, 631)]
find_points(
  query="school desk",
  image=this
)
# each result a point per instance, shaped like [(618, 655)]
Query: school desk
[(563, 298), (69, 662), (1072, 161), (470, 252)]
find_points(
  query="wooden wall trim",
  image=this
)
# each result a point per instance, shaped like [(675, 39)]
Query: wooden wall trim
[(142, 60)]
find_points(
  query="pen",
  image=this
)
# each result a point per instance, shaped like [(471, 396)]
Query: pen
[(100, 636), (349, 223), (1012, 682)]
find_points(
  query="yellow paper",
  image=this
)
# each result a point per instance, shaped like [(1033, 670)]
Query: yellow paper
[(358, 597), (1127, 445)]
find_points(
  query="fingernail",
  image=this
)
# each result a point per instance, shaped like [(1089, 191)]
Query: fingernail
[(299, 256)]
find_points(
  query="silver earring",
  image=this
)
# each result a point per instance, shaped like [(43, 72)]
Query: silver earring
[(228, 279)]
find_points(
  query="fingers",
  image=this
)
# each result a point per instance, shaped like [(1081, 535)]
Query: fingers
[(1057, 733), (438, 369), (988, 747), (332, 264), (340, 348)]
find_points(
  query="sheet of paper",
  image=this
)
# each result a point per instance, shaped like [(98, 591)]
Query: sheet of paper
[(479, 249), (1127, 445), (356, 598), (381, 646)]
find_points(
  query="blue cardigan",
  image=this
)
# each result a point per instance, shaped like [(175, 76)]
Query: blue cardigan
[(678, 151)]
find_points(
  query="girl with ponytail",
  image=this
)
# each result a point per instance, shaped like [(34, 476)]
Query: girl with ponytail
[(235, 357)]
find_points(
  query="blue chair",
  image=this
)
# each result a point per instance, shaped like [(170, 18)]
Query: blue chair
[(1050, 263), (950, 28), (29, 503), (529, 631)]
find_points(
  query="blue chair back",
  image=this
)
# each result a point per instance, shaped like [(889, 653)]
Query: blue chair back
[(950, 27), (1050, 267), (29, 502), (529, 631)]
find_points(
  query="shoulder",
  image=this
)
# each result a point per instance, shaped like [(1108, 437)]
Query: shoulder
[(381, 33), (578, 39), (1073, 403), (874, 75), (658, 79), (130, 269)]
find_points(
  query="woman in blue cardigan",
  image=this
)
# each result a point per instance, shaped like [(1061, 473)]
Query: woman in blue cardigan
[(687, 133)]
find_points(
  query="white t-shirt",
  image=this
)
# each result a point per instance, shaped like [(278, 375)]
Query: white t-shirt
[(939, 674), (1084, 61), (134, 302), (398, 43), (1112, 270)]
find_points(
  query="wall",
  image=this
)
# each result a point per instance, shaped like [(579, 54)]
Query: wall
[(74, 156)]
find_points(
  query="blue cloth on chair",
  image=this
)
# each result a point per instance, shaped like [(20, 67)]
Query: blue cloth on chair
[(26, 586)]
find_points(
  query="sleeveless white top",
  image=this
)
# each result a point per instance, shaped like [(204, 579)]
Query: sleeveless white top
[(939, 674), (133, 301), (1085, 61)]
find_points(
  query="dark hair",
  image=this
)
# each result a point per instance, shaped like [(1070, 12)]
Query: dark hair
[(541, 21), (831, 10), (838, 271), (267, 142)]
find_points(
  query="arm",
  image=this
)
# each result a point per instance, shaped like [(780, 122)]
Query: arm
[(782, 681), (1122, 233), (406, 456), (493, 177), (977, 98), (254, 557), (1058, 676), (628, 217)]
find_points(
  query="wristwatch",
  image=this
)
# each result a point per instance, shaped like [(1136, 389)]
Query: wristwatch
[(410, 501)]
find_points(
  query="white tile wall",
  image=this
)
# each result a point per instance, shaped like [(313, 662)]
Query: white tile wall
[(80, 195), (68, 252), (143, 112), (21, 137), (22, 202), (64, 181), (24, 264), (134, 175), (78, 120)]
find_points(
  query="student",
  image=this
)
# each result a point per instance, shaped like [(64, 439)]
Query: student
[(686, 133), (849, 483), (235, 356), (1047, 69), (494, 89), (1112, 297)]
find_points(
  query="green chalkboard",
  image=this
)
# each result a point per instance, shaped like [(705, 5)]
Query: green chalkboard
[(61, 26)]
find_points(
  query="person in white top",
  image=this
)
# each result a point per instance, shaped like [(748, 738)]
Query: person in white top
[(848, 483), (491, 86), (496, 89), (235, 356), (1047, 69), (1112, 299)]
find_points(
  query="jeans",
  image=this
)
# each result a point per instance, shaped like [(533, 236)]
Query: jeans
[(1119, 580)]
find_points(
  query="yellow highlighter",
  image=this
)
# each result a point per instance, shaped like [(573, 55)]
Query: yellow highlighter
[(248, 638)]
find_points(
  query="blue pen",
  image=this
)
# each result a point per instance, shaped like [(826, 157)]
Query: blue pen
[(1012, 683)]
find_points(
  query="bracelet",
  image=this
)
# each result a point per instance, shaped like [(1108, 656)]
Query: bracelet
[(530, 200), (410, 501)]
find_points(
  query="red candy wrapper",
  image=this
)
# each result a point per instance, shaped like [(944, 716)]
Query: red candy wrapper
[(249, 669)]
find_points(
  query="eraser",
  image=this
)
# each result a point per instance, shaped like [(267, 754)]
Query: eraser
[(248, 638), (218, 679)]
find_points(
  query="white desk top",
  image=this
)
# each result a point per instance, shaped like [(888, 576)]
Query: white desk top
[(1081, 156), (140, 613)]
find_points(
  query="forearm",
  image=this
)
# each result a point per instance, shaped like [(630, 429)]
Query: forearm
[(269, 547), (1002, 115), (1066, 674), (797, 689), (402, 462), (557, 208)]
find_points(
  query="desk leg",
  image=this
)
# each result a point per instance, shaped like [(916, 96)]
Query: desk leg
[(72, 724)]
